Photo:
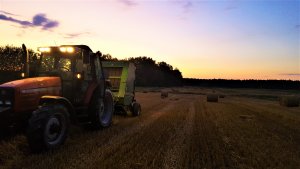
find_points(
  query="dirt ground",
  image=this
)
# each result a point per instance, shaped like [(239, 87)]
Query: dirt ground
[(181, 131)]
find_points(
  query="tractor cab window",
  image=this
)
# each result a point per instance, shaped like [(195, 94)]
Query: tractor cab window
[(51, 63), (64, 65), (47, 63)]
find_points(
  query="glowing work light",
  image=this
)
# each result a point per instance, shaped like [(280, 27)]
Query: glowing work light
[(43, 49), (78, 75), (67, 49), (70, 49), (63, 49)]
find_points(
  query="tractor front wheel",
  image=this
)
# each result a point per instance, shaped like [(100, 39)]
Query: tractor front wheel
[(48, 128)]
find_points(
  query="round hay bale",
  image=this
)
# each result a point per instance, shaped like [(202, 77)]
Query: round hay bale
[(246, 117), (221, 96), (164, 94), (212, 98), (174, 90), (289, 101)]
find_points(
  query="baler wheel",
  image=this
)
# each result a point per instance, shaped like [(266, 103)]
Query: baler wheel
[(136, 109)]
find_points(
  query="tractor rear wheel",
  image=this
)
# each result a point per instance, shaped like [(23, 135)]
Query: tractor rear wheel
[(136, 109), (48, 128), (102, 110)]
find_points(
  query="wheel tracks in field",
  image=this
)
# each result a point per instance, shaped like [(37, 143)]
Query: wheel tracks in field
[(207, 149), (173, 157), (145, 149), (114, 144), (146, 112), (220, 121), (77, 151)]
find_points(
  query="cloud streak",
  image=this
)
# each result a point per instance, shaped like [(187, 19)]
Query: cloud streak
[(7, 18), (39, 20), (187, 6), (231, 5), (75, 35), (128, 2), (44, 22), (8, 13)]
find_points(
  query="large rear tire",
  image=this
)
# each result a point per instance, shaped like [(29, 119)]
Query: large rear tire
[(101, 110), (48, 128)]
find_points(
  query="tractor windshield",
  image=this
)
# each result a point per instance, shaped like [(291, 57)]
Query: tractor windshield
[(51, 63)]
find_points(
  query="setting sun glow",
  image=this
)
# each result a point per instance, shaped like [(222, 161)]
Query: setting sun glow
[(203, 39)]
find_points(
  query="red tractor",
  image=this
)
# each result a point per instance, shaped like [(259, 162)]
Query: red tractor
[(69, 88)]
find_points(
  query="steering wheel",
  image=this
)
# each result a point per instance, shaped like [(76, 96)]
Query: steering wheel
[(65, 68)]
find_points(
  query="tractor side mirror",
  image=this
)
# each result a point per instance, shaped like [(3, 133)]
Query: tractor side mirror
[(86, 57), (99, 54)]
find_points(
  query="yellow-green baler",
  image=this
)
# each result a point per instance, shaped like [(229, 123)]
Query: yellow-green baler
[(121, 75)]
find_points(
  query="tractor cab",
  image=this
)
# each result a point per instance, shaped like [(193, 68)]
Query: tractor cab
[(76, 65)]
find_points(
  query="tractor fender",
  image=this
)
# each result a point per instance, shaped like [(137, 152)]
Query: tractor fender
[(59, 100)]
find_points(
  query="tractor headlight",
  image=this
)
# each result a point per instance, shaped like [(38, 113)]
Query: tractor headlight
[(63, 49), (70, 49), (43, 49), (66, 49), (7, 102), (6, 96)]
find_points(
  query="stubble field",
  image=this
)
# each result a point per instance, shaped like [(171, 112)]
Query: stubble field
[(247, 129)]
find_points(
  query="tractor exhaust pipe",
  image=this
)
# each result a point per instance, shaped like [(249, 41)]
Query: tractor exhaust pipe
[(25, 61)]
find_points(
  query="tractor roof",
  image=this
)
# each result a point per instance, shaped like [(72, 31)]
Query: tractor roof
[(85, 47)]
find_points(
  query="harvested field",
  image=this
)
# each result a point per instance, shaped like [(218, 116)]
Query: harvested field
[(181, 131)]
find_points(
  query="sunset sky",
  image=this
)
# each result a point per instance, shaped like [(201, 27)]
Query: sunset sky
[(231, 39)]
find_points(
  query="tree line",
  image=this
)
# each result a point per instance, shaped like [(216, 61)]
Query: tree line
[(152, 73), (12, 62), (251, 83), (12, 58)]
